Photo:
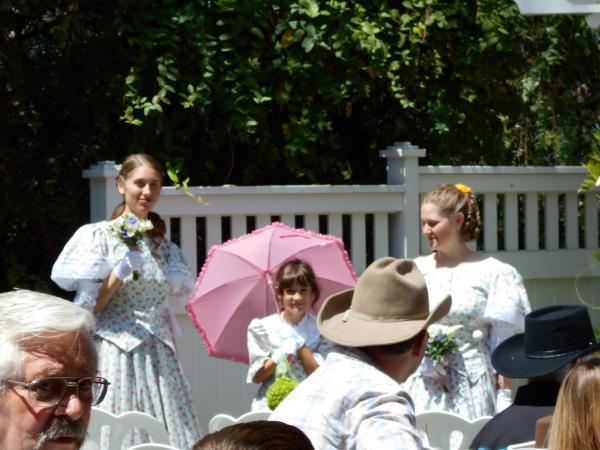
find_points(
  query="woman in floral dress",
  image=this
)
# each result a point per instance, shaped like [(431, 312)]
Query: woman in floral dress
[(129, 290), (489, 303)]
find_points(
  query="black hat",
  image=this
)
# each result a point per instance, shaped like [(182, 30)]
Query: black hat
[(554, 336)]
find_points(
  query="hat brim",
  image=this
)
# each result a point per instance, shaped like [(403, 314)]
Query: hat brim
[(509, 359), (353, 331)]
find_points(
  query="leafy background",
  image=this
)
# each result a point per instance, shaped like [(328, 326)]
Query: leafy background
[(255, 92)]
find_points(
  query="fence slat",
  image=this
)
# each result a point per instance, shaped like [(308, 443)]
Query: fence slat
[(551, 220), (263, 220), (511, 222), (311, 222), (532, 237), (359, 254), (335, 225), (571, 221), (380, 229), (213, 231), (238, 225), (490, 222), (188, 241), (591, 219), (288, 219), (167, 221)]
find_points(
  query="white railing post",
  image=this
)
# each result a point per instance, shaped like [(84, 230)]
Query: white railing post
[(104, 196), (403, 168)]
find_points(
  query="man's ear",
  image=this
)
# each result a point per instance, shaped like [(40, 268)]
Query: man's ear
[(420, 343)]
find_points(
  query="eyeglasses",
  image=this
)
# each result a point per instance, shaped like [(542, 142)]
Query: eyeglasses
[(51, 391)]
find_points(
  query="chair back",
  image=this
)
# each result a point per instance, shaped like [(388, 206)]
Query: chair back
[(152, 446), (119, 425), (438, 426), (522, 446), (224, 420)]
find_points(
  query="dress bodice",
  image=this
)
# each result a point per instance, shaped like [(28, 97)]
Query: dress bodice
[(138, 308)]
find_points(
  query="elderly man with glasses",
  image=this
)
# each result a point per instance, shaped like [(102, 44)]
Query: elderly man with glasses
[(48, 372)]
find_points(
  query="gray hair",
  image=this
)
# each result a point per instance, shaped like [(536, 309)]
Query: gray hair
[(27, 315)]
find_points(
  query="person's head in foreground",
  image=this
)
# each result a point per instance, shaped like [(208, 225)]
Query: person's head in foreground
[(554, 338), (257, 435), (48, 368), (576, 419), (386, 315)]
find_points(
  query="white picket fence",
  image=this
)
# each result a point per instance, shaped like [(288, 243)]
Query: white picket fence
[(533, 219)]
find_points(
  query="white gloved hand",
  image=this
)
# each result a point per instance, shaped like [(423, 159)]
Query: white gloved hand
[(431, 369), (131, 262), (289, 346)]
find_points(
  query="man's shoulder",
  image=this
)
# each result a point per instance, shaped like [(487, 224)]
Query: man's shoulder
[(513, 425)]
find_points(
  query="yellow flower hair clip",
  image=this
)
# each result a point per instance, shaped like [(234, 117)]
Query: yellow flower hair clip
[(463, 188)]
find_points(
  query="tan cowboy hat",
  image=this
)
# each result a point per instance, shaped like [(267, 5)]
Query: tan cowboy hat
[(389, 304)]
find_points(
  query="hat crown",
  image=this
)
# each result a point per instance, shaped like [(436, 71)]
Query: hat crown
[(391, 289), (557, 330)]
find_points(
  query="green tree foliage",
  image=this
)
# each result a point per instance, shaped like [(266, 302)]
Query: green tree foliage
[(254, 92)]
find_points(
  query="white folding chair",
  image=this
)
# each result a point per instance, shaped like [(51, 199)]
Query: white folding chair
[(522, 446), (224, 420), (119, 426), (438, 426), (152, 446)]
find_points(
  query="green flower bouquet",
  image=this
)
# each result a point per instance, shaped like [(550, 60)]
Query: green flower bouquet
[(439, 345), (285, 383)]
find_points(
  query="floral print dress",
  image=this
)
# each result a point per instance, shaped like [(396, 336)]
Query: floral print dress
[(489, 302), (136, 349)]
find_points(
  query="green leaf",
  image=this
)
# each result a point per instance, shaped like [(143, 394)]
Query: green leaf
[(307, 44), (256, 32)]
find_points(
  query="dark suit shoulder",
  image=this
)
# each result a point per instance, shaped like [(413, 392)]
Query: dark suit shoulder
[(513, 425)]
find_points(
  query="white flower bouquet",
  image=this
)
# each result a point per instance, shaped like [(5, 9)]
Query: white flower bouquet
[(130, 229)]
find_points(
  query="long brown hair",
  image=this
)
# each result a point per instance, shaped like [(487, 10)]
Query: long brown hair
[(576, 420), (129, 165), (450, 200)]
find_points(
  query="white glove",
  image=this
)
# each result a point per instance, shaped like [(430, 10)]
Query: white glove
[(289, 346), (131, 262), (429, 368)]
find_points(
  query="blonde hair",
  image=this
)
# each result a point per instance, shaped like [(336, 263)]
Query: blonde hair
[(451, 200), (129, 165), (576, 420)]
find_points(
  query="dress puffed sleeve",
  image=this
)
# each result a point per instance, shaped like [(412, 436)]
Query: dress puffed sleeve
[(83, 264), (259, 347), (84, 258), (507, 304)]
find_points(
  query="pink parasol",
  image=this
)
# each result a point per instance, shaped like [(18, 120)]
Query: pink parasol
[(235, 283)]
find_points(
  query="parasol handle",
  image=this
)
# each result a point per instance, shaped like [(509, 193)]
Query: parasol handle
[(270, 284)]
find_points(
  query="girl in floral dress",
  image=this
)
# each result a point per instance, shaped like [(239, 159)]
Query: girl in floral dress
[(489, 303), (293, 331), (129, 290)]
